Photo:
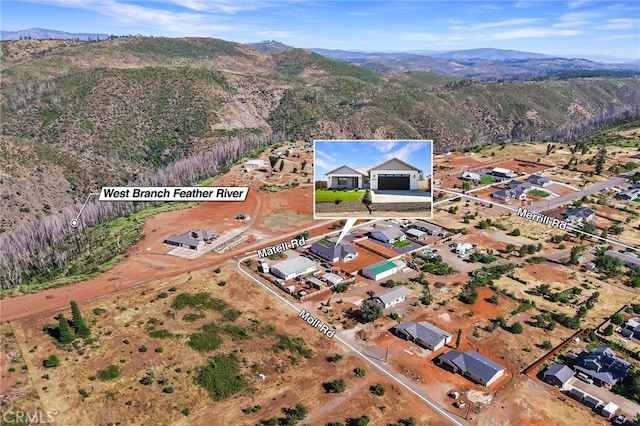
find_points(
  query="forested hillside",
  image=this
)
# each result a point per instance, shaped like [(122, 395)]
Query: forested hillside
[(79, 115)]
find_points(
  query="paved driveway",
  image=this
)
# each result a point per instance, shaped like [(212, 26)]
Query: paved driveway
[(627, 407), (400, 196)]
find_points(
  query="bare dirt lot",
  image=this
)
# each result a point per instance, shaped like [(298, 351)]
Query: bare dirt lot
[(365, 258), (121, 326)]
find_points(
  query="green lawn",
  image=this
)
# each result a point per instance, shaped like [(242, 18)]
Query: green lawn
[(330, 196), (403, 243), (637, 200), (539, 193), (486, 180)]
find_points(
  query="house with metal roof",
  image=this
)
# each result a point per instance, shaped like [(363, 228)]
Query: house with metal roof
[(603, 366), (473, 366), (254, 164), (576, 394), (581, 214), (332, 279), (474, 177), (509, 194), (194, 240), (558, 375), (539, 180), (392, 297), (333, 252), (291, 268), (388, 235), (423, 333), (630, 260), (591, 401), (427, 227), (416, 234), (503, 174), (609, 410)]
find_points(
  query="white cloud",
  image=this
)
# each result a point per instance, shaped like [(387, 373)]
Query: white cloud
[(619, 24), (617, 37), (532, 32), (384, 146), (505, 23), (406, 151)]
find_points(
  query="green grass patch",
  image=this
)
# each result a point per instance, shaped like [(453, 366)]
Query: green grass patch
[(207, 340), (486, 180), (221, 377), (192, 317), (295, 345), (237, 332), (539, 193), (330, 196), (400, 244), (199, 301), (231, 314), (160, 334), (110, 373), (637, 200)]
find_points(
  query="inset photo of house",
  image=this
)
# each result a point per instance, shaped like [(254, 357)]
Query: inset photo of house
[(373, 178)]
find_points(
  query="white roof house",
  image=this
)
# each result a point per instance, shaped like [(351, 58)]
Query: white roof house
[(293, 267), (255, 164), (393, 296), (393, 174)]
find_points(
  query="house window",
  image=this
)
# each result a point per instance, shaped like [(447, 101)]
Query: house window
[(366, 180), (342, 181)]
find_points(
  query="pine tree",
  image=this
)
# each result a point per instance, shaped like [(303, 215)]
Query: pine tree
[(80, 325), (458, 338), (66, 333)]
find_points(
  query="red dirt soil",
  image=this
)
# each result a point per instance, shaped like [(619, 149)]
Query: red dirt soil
[(388, 253), (364, 258), (147, 260)]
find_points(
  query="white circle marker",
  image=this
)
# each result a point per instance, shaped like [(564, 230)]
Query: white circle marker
[(74, 223)]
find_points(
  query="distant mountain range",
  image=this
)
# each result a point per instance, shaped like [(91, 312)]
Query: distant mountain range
[(479, 63), (44, 34)]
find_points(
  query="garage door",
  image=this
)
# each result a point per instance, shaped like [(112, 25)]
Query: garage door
[(393, 182)]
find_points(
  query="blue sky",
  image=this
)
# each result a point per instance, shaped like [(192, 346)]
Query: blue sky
[(330, 155), (568, 28)]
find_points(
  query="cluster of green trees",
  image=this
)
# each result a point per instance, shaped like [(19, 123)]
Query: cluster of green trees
[(66, 332), (482, 277), (292, 416)]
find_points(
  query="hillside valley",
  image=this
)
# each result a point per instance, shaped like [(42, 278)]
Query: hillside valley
[(80, 115)]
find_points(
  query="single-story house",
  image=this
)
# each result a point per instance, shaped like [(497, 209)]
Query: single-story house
[(629, 194), (427, 227), (423, 333), (194, 240), (388, 235), (522, 186), (503, 174), (474, 177), (380, 270), (629, 259), (333, 252), (539, 180), (510, 194), (581, 214), (631, 329), (332, 279), (291, 268), (473, 366), (254, 164), (558, 375), (393, 174), (416, 234), (393, 296), (603, 366)]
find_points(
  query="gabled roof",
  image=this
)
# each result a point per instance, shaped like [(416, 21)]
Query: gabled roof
[(393, 294), (395, 162), (391, 233), (193, 237), (474, 363), (330, 250), (559, 371), (471, 175), (344, 170), (294, 265), (424, 331), (603, 364), (416, 232), (581, 212), (426, 225), (538, 180)]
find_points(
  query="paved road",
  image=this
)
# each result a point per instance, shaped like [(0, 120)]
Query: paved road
[(557, 202), (377, 364)]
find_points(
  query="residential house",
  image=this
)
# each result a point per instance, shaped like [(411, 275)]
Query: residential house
[(503, 174), (294, 267), (416, 234), (629, 194), (474, 177), (581, 214), (332, 279), (522, 186), (473, 366), (630, 260), (333, 252), (462, 248), (558, 375), (423, 333), (539, 180), (427, 227), (392, 297), (194, 240), (603, 366), (253, 164), (388, 235), (510, 194), (380, 270), (393, 174), (631, 329)]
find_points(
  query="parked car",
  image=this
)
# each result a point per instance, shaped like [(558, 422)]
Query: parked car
[(371, 293), (584, 378), (619, 420)]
